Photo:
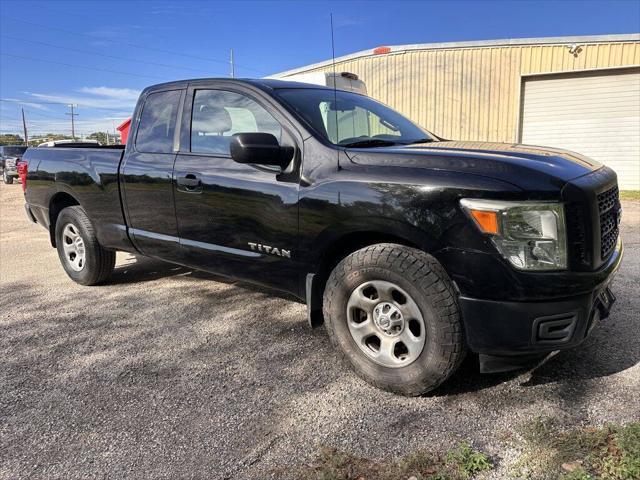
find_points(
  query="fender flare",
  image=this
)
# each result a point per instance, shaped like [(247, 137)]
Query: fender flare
[(328, 252)]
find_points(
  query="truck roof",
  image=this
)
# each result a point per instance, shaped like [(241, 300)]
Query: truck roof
[(262, 83)]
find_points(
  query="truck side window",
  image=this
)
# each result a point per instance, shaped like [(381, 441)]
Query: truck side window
[(158, 122), (218, 114)]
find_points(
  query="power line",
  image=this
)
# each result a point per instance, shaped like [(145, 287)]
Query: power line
[(56, 121), (39, 102), (35, 112), (77, 66), (100, 54), (129, 44)]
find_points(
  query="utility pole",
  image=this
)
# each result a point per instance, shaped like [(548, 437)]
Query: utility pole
[(24, 127), (73, 125), (233, 73)]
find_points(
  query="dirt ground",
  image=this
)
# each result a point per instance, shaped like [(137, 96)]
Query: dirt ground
[(170, 373)]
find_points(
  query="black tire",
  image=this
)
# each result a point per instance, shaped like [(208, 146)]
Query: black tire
[(6, 178), (98, 261), (424, 279)]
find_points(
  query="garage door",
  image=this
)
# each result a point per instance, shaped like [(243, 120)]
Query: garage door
[(597, 115)]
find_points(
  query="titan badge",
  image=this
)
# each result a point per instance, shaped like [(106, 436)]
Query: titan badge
[(280, 252)]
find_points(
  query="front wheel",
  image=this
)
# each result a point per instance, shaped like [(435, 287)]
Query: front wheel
[(392, 312), (6, 178), (83, 258)]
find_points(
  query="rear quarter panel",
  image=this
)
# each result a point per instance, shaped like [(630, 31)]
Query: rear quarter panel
[(90, 176)]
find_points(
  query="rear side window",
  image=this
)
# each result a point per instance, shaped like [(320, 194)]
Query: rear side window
[(217, 115), (158, 122), (13, 151)]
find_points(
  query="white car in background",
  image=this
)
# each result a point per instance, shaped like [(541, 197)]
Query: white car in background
[(69, 143)]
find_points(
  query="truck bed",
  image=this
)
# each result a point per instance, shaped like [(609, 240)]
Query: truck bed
[(87, 176)]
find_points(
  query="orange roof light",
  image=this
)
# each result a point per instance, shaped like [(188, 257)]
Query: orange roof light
[(486, 220)]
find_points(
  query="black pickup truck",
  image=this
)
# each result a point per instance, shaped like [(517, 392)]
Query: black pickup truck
[(411, 249)]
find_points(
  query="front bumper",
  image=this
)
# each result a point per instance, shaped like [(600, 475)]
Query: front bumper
[(507, 328)]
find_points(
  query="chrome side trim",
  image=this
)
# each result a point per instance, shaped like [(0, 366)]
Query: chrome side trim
[(193, 244)]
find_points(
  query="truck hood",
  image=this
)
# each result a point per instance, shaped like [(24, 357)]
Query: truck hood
[(526, 166)]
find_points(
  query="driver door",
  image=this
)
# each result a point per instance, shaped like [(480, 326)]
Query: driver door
[(224, 209)]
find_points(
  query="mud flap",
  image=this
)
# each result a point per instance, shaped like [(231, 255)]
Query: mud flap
[(508, 363)]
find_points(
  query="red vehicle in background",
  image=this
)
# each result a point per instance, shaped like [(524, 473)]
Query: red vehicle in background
[(123, 128), (21, 167)]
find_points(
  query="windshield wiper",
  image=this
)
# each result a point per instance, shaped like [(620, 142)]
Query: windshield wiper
[(370, 142), (420, 140)]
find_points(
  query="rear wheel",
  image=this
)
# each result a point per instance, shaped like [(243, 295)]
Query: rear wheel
[(83, 258), (6, 178), (392, 312)]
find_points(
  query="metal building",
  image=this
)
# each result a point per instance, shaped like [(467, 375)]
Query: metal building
[(578, 93)]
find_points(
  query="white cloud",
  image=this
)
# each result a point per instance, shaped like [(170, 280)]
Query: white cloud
[(121, 93), (100, 108), (95, 97), (37, 106)]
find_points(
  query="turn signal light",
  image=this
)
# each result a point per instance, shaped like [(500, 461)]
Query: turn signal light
[(486, 220)]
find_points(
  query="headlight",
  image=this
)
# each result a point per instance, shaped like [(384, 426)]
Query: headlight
[(531, 235)]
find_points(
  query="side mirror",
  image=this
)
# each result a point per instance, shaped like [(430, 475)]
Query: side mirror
[(260, 149)]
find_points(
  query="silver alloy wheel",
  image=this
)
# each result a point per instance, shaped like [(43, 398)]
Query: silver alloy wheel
[(73, 246), (386, 323)]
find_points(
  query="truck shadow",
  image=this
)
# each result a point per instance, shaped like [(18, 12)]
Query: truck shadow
[(234, 363), (138, 269), (611, 348), (588, 361), (469, 379)]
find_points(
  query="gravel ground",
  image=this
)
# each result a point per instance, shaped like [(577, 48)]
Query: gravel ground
[(166, 372)]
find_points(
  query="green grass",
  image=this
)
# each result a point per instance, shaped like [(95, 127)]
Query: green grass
[(544, 452), (461, 463), (608, 453), (467, 462), (630, 195)]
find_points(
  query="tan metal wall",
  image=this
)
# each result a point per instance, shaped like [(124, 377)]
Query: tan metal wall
[(474, 93)]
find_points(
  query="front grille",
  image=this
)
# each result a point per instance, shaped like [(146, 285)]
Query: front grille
[(608, 208), (592, 211), (577, 237)]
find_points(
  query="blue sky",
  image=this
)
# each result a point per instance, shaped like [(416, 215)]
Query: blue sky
[(99, 55)]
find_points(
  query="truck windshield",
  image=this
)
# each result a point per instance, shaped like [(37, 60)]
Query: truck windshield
[(352, 120)]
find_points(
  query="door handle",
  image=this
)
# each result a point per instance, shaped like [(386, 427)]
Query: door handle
[(190, 183)]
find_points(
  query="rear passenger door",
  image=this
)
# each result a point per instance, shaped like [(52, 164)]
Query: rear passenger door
[(148, 176), (226, 209)]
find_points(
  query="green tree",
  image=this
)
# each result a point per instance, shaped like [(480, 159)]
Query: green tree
[(11, 139), (99, 136)]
